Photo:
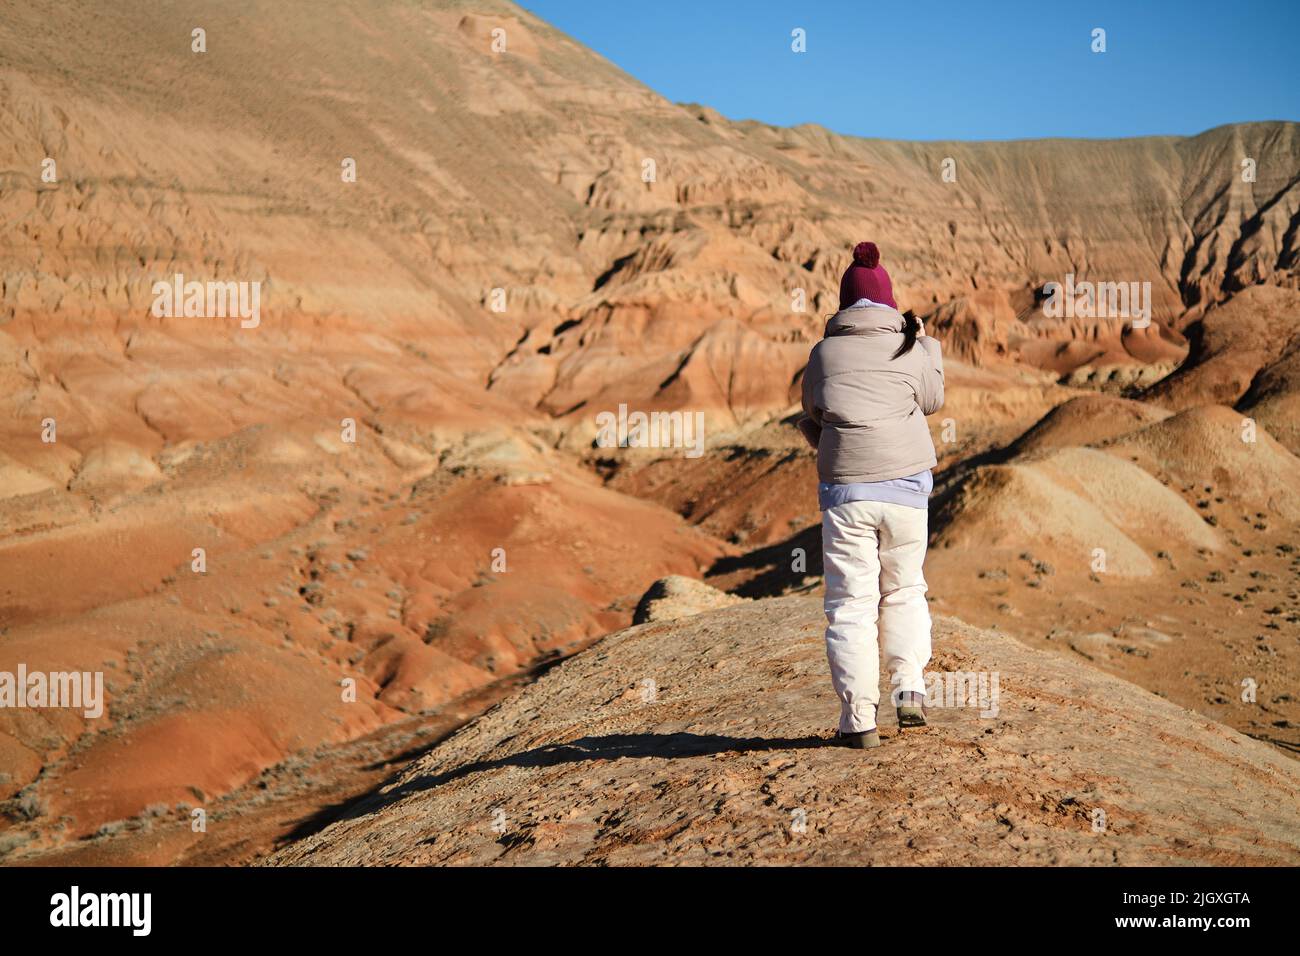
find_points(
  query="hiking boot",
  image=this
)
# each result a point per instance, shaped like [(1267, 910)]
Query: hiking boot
[(862, 740), (911, 709)]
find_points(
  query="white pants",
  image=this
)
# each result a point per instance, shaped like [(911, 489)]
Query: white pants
[(873, 552)]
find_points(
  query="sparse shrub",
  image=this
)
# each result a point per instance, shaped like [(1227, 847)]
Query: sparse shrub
[(12, 840), (29, 805)]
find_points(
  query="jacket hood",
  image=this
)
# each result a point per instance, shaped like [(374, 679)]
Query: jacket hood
[(864, 320)]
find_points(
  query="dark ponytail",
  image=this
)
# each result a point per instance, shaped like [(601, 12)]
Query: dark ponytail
[(911, 326)]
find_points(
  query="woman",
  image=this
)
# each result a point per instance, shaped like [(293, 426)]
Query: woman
[(868, 386)]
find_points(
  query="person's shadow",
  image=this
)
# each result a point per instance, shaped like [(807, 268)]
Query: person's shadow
[(608, 747)]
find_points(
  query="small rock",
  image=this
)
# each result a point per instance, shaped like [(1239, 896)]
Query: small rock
[(676, 596)]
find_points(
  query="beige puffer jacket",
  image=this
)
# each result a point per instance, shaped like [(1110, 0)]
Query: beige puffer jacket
[(864, 410)]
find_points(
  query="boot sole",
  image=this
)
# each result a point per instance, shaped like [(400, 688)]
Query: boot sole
[(910, 717), (863, 741)]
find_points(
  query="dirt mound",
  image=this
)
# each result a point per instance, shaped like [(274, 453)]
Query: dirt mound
[(648, 748), (1086, 420), (1081, 509), (675, 596), (1274, 399), (1230, 344), (1216, 450)]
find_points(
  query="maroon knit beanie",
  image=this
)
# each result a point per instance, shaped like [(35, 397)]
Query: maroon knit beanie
[(866, 278)]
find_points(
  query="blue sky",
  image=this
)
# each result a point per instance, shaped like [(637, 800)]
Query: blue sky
[(945, 70)]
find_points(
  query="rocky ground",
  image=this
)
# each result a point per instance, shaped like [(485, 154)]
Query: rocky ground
[(703, 740)]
